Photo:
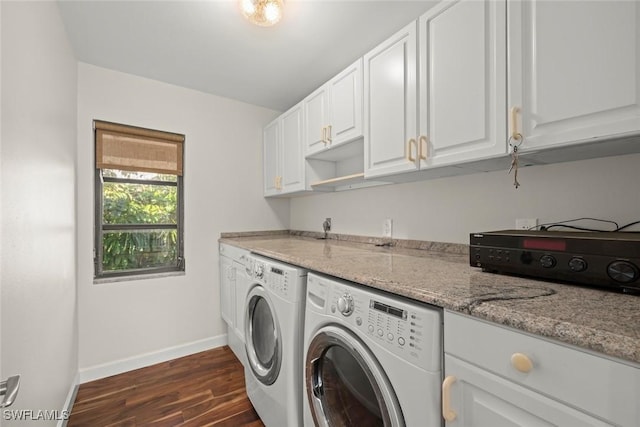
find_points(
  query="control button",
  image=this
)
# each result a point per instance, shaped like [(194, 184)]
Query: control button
[(547, 261), (577, 264), (380, 332), (259, 271), (401, 341), (370, 328), (390, 336), (345, 304), (623, 271), (333, 308), (359, 321), (526, 257), (478, 257)]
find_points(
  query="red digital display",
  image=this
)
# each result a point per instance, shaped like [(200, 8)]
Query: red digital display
[(545, 244)]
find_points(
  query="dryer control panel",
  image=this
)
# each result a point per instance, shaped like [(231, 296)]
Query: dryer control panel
[(409, 330)]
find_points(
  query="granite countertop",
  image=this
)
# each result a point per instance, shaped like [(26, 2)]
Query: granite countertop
[(439, 274)]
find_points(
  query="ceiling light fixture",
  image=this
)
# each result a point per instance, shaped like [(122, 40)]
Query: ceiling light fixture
[(262, 12)]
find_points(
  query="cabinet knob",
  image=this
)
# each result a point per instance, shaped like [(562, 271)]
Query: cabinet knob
[(521, 362), (447, 413), (410, 151), (424, 142)]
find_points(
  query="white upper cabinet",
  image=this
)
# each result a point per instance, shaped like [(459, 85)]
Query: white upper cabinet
[(438, 98), (334, 111), (462, 82), (345, 105), (574, 70), (390, 105), (271, 157), (316, 110), (284, 166), (293, 173)]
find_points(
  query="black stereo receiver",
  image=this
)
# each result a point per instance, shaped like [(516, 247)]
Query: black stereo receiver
[(603, 259)]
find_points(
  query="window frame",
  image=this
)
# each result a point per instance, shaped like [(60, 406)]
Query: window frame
[(99, 274)]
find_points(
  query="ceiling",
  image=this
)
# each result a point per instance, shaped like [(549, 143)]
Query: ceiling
[(209, 46)]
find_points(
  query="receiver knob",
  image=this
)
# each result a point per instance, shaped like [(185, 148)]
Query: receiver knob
[(547, 261), (623, 271), (577, 264), (345, 304)]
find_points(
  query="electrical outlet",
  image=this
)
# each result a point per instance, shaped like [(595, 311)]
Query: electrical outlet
[(526, 223), (387, 227)]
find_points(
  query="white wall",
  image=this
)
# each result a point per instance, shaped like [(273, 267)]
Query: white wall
[(38, 267), (223, 192), (448, 209)]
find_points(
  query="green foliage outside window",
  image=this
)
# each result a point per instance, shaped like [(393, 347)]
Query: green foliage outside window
[(135, 204)]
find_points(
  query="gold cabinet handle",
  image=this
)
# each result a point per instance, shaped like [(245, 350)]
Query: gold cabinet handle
[(278, 182), (424, 142), (515, 134), (521, 362), (410, 151), (447, 413)]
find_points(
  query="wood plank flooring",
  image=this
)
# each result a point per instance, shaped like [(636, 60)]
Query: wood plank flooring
[(204, 389)]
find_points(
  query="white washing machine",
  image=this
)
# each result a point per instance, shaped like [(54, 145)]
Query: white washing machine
[(274, 319), (370, 359)]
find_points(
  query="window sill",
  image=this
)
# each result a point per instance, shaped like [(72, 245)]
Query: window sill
[(137, 277)]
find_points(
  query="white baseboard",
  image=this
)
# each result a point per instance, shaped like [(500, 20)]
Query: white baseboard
[(148, 359), (71, 398)]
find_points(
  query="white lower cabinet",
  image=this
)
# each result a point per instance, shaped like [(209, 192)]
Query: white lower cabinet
[(227, 290), (481, 399), (500, 377)]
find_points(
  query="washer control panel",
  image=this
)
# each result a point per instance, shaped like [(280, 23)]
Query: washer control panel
[(409, 330), (284, 280)]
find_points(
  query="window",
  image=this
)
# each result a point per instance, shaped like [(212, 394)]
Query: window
[(139, 206)]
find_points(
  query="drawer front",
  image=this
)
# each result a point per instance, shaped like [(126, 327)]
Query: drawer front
[(597, 385)]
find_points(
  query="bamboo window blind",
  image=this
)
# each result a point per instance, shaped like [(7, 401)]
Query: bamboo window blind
[(137, 149)]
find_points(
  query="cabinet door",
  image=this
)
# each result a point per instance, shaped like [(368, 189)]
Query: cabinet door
[(479, 398), (227, 289), (316, 110), (293, 178), (574, 69), (390, 105), (241, 282), (271, 158), (345, 105), (462, 81)]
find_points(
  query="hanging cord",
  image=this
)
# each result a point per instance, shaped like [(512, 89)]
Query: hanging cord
[(514, 157), (549, 225), (628, 225)]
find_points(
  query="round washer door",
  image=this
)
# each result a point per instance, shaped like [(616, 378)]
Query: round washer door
[(262, 336), (346, 386)]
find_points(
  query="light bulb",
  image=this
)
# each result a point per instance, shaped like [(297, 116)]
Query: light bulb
[(272, 12), (262, 12), (248, 7)]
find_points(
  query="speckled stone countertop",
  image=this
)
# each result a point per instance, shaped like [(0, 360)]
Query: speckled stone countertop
[(439, 274)]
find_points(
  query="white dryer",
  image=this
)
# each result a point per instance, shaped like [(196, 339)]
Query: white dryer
[(371, 359), (274, 316)]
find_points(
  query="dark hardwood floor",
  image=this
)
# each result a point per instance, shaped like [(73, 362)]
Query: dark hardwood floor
[(204, 389)]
